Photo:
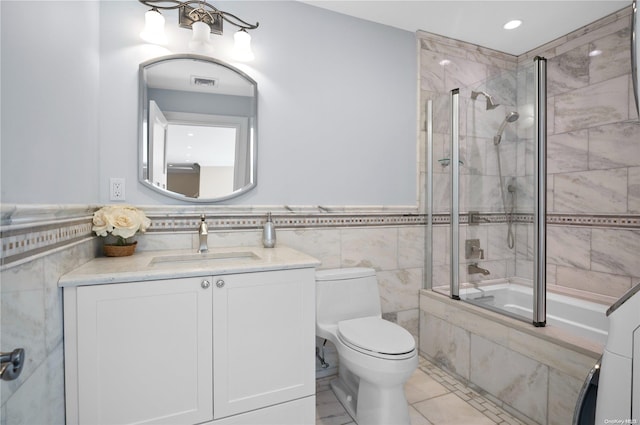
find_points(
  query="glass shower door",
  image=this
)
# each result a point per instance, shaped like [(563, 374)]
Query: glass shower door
[(496, 178)]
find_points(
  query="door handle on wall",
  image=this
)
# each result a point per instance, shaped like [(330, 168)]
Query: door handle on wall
[(11, 364)]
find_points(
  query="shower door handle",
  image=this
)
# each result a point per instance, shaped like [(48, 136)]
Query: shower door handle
[(11, 364)]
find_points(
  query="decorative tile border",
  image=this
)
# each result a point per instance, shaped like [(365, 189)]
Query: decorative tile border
[(37, 232), (484, 218), (24, 238), (626, 221), (297, 221), (584, 220), (18, 244)]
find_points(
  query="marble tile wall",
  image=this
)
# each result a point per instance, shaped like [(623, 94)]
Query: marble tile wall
[(445, 65), (593, 156), (31, 318), (593, 161)]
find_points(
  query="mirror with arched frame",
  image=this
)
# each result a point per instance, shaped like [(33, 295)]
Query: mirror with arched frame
[(198, 135)]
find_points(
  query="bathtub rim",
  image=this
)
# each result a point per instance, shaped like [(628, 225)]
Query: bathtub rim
[(593, 297), (549, 333)]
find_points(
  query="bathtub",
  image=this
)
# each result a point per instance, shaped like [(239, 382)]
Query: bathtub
[(534, 373), (579, 317)]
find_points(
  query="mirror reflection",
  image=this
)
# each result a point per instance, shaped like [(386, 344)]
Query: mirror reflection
[(197, 128)]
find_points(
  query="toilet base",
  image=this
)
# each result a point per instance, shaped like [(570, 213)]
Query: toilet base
[(373, 405), (344, 396)]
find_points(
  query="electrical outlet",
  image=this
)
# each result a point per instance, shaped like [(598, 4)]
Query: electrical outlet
[(116, 189)]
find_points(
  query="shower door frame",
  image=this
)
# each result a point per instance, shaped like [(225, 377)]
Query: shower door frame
[(540, 193)]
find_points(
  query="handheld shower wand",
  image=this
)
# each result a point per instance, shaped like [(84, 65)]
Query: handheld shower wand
[(511, 117)]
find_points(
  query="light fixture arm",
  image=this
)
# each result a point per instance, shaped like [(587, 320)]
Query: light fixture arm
[(200, 11)]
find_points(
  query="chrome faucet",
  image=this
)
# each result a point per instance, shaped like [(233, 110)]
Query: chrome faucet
[(203, 233), (474, 269)]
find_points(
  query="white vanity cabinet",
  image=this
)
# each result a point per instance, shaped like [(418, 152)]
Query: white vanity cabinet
[(139, 352), (263, 340), (219, 348)]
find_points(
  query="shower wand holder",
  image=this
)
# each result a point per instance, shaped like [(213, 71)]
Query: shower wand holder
[(446, 161)]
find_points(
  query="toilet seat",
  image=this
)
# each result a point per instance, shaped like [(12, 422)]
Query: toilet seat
[(377, 337)]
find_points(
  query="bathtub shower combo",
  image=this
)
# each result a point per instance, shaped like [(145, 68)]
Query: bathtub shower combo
[(495, 205), (486, 251)]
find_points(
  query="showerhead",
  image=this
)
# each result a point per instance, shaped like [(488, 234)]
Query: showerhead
[(511, 117), (490, 102)]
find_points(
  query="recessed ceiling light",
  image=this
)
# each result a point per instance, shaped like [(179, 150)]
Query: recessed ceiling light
[(512, 24), (444, 62), (595, 52)]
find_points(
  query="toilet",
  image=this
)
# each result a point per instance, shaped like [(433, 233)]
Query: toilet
[(376, 357)]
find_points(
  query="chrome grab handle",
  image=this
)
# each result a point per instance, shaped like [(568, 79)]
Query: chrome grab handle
[(11, 364)]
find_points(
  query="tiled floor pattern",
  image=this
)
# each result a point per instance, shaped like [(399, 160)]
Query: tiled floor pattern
[(434, 396)]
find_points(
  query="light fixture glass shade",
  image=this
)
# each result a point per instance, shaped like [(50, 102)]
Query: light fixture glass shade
[(153, 31), (242, 48), (200, 40)]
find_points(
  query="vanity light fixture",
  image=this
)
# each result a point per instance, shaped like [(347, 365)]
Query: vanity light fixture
[(200, 39), (204, 19), (153, 31)]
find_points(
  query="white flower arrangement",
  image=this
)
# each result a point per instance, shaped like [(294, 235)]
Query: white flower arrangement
[(121, 221)]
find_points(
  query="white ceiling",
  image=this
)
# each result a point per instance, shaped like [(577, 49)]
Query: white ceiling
[(480, 22)]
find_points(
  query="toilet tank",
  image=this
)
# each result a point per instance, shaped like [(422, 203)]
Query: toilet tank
[(348, 293)]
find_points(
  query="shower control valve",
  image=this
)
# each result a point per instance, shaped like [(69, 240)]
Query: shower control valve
[(472, 249)]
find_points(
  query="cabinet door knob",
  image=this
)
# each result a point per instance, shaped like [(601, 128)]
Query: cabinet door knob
[(205, 284), (220, 283)]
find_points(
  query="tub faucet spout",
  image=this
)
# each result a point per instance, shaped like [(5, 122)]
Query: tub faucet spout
[(203, 233), (473, 268)]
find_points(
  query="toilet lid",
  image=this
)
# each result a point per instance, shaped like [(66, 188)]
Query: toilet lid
[(376, 335)]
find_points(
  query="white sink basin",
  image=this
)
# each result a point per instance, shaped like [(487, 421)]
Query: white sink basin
[(206, 256)]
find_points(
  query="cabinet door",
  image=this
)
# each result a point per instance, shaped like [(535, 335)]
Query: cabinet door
[(144, 352), (264, 339)]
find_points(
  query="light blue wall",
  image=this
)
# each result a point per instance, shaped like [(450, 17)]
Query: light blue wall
[(337, 104), (50, 105)]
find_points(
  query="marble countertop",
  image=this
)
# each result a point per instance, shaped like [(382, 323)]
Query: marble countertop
[(154, 265)]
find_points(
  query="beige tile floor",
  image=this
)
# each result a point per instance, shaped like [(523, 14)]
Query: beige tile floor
[(435, 398)]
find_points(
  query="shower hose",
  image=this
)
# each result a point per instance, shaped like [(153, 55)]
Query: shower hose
[(509, 212)]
